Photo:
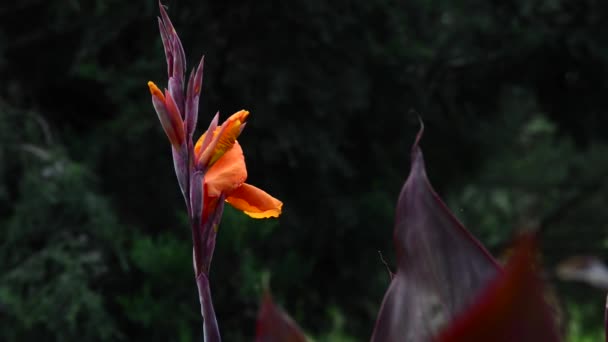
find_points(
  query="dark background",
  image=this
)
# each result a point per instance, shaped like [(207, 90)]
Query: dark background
[(94, 243)]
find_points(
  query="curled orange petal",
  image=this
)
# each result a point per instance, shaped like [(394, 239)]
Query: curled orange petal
[(224, 138), (227, 174), (255, 202)]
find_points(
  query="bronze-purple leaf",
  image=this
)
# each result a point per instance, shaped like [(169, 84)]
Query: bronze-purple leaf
[(441, 267), (274, 325)]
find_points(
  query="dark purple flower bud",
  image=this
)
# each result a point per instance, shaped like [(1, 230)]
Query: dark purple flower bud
[(193, 93)]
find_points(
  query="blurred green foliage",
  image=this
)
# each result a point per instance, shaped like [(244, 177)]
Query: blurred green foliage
[(95, 242)]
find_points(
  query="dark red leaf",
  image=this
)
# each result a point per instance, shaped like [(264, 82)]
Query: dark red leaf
[(441, 267), (511, 308), (274, 325)]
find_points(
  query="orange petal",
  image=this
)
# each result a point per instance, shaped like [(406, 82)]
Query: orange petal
[(223, 139), (255, 202), (228, 173)]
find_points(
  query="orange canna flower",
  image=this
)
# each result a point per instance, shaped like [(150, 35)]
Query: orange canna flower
[(211, 173), (227, 172)]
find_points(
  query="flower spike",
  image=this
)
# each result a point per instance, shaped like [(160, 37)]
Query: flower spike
[(210, 173)]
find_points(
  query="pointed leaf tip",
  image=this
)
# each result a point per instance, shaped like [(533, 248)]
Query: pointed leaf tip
[(274, 325), (440, 265)]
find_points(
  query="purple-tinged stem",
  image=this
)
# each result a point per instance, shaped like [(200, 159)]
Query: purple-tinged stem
[(203, 236), (211, 332), (209, 230), (195, 211)]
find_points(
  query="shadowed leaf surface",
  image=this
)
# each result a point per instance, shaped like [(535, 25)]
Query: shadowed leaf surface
[(440, 266), (512, 308)]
